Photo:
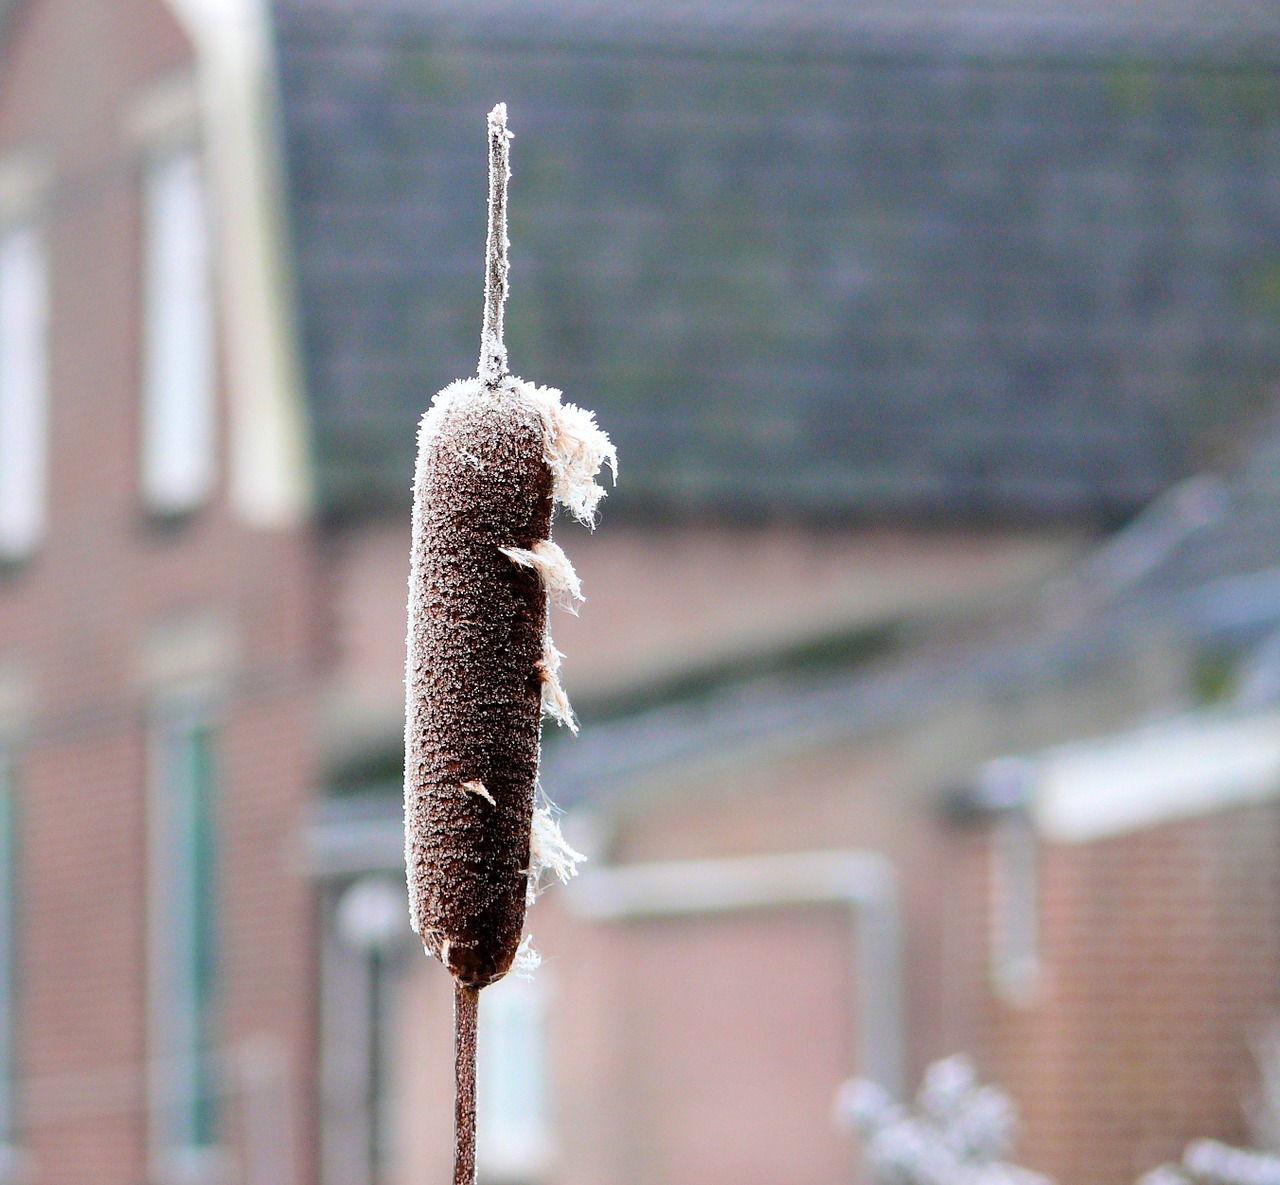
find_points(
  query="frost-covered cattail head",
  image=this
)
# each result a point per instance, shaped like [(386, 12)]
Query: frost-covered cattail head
[(495, 455)]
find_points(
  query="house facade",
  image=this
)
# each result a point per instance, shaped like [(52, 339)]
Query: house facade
[(891, 317), (158, 614), (1051, 844)]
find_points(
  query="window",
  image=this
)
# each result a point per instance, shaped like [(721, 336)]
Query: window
[(8, 976), (512, 1120), (183, 944), (23, 396), (179, 411)]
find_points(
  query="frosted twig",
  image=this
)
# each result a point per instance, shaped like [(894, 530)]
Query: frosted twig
[(1215, 1163), (958, 1133), (1212, 1162)]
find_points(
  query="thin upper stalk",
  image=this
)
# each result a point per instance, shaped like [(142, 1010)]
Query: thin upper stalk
[(493, 351)]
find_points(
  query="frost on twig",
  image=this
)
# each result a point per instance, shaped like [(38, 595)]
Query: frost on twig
[(493, 350), (957, 1133), (1211, 1162)]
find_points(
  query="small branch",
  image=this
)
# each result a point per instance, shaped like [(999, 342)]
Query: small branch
[(466, 1005), (493, 351)]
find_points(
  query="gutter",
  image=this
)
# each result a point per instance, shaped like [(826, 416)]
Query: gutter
[(863, 882), (351, 837), (1092, 789)]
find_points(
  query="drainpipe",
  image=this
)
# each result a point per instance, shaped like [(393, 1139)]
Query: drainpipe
[(371, 918), (863, 882)]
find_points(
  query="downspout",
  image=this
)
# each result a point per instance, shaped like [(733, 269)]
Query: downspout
[(863, 882)]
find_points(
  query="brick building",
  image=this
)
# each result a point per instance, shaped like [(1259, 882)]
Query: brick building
[(157, 616), (890, 315), (1054, 838)]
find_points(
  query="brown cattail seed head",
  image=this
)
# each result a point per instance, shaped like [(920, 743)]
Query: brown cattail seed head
[(475, 692), (494, 456)]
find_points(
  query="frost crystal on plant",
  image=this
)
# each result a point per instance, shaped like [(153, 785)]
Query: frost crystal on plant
[(957, 1135), (1211, 1162)]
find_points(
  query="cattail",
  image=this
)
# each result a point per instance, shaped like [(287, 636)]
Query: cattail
[(495, 454)]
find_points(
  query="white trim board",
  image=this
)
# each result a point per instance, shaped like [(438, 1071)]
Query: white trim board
[(1182, 768), (270, 476)]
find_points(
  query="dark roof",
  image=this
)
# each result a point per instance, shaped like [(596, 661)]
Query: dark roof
[(844, 265), (977, 26), (1233, 550)]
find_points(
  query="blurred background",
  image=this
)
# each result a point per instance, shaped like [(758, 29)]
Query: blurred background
[(929, 674)]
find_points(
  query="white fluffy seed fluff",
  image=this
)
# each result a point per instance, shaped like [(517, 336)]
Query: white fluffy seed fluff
[(549, 851), (576, 450), (479, 789), (527, 960), (553, 566), (555, 703)]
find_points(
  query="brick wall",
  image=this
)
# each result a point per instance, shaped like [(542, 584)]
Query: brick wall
[(1162, 966), (1160, 953)]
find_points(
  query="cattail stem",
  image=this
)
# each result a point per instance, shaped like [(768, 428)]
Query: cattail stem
[(466, 1007), (493, 351)]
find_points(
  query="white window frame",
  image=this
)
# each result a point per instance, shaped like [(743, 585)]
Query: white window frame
[(514, 1141), (173, 1018), (24, 384), (179, 382), (1016, 960), (12, 1160)]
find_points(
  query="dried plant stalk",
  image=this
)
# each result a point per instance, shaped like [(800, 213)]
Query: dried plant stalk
[(466, 1002), (495, 454)]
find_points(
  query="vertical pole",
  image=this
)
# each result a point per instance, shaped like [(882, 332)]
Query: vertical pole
[(375, 1067), (466, 1004)]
